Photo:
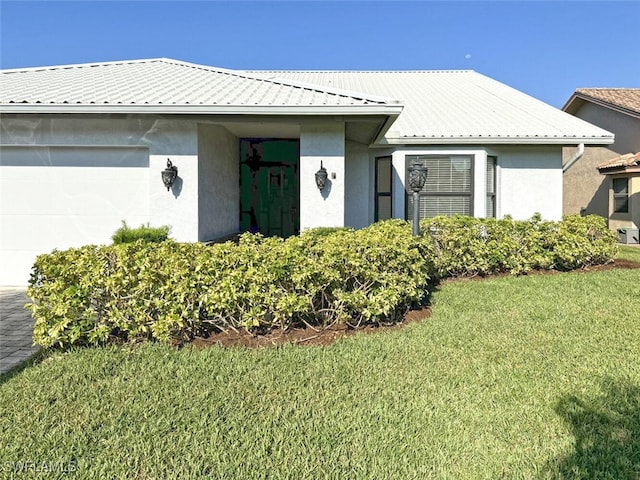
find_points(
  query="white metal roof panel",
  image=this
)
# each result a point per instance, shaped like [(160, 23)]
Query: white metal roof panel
[(165, 82), (458, 107)]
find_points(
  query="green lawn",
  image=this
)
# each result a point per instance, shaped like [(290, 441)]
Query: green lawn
[(528, 377), (629, 253)]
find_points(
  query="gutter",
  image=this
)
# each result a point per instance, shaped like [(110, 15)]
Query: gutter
[(577, 156), (360, 109)]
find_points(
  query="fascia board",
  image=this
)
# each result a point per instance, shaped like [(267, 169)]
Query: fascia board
[(373, 109), (498, 140)]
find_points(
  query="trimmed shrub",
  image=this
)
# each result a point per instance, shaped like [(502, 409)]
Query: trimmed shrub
[(583, 241), (146, 233), (173, 291), (467, 246), (170, 291)]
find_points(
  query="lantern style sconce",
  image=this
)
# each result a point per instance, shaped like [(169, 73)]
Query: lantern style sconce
[(417, 179), (169, 174), (321, 177)]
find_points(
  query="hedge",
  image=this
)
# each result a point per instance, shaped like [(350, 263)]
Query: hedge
[(466, 246), (173, 291)]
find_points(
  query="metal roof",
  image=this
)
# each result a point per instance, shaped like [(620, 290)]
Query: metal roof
[(458, 107), (170, 86), (454, 107)]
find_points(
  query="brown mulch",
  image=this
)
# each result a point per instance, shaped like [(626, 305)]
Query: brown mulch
[(310, 337)]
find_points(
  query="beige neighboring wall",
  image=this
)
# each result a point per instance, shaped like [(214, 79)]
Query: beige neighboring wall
[(582, 184)]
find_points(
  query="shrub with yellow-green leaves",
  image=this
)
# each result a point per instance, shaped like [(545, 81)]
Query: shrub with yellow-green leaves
[(173, 291)]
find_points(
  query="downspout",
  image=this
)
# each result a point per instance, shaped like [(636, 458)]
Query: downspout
[(577, 156)]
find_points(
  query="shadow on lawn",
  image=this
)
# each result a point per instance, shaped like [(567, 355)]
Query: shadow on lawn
[(607, 434)]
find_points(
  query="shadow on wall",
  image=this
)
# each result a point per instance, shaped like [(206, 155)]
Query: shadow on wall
[(176, 188), (599, 203), (607, 433)]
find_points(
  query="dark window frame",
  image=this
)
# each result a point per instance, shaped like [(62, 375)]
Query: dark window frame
[(491, 196), (377, 194), (620, 196)]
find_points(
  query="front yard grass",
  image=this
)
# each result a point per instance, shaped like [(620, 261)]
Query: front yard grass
[(629, 253), (527, 377)]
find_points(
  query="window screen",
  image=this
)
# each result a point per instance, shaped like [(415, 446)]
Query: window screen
[(448, 189)]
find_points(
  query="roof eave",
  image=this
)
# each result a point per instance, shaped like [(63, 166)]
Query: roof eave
[(578, 99), (487, 140), (619, 169), (370, 109)]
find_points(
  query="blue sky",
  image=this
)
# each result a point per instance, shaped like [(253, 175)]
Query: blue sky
[(546, 49)]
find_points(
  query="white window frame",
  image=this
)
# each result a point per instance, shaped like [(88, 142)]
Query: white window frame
[(479, 159)]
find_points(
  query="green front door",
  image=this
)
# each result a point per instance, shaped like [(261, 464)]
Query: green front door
[(269, 198)]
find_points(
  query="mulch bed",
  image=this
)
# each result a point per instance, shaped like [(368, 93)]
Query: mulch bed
[(310, 337)]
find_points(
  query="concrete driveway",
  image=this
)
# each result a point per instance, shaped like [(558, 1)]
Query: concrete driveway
[(16, 328)]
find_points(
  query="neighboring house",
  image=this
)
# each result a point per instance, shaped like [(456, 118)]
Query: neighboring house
[(623, 174), (82, 147), (616, 110)]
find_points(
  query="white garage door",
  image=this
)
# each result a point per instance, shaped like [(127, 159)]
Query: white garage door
[(61, 197)]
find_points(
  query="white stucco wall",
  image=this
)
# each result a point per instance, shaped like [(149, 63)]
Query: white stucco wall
[(67, 181), (322, 141), (529, 181), (218, 192), (176, 140), (358, 204)]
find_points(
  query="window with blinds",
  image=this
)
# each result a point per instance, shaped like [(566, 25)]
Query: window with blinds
[(448, 189), (491, 186)]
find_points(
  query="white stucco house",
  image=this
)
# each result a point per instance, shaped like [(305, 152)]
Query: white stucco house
[(82, 148)]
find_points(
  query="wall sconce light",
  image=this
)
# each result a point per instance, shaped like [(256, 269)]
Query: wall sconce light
[(416, 181), (321, 177), (169, 174)]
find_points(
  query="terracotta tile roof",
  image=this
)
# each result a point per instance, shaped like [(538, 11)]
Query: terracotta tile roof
[(626, 160), (627, 98)]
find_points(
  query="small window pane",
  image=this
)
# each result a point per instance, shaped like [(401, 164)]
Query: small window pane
[(491, 175), (491, 206), (431, 205), (621, 186), (384, 175), (621, 204), (384, 208)]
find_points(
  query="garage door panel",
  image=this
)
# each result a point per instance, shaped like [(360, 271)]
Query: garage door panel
[(95, 192), (80, 197), (70, 156)]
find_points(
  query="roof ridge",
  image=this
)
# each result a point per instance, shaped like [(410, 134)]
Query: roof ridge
[(361, 71), (291, 83), (606, 88), (338, 91), (81, 65)]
